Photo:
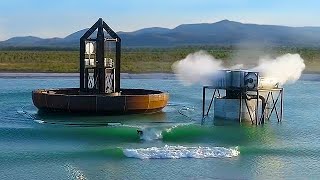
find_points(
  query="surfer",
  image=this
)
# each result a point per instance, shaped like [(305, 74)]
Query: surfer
[(140, 132)]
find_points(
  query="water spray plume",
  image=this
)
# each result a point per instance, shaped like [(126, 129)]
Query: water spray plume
[(198, 67), (202, 68), (285, 69)]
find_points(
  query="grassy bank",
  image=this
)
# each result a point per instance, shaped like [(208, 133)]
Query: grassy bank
[(143, 60)]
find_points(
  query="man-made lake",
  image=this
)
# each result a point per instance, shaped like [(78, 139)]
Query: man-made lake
[(174, 144)]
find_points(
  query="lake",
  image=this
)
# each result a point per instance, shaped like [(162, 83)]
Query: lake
[(174, 144)]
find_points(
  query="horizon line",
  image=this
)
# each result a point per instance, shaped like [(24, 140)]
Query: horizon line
[(246, 23)]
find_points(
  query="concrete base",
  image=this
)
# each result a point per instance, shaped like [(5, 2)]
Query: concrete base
[(229, 109)]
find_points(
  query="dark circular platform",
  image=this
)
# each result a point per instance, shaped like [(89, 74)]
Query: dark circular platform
[(129, 101)]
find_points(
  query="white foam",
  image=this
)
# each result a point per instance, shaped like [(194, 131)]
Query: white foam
[(177, 152), (39, 121), (114, 124), (151, 134), (175, 126)]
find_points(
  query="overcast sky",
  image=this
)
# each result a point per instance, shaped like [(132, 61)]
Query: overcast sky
[(59, 18)]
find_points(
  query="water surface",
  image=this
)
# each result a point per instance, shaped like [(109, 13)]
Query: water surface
[(174, 144)]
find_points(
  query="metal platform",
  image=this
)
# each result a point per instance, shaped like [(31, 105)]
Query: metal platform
[(130, 101), (245, 95)]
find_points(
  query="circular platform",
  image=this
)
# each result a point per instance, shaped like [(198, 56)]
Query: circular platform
[(129, 101)]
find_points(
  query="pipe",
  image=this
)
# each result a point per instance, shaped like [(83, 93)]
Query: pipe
[(263, 99)]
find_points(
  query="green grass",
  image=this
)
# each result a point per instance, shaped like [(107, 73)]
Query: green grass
[(39, 61), (142, 60)]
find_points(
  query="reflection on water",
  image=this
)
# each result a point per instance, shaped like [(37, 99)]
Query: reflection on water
[(87, 119)]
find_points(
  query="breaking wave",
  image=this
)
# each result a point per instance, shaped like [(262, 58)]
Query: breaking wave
[(177, 152), (152, 133)]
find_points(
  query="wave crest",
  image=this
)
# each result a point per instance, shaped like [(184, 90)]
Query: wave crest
[(177, 152)]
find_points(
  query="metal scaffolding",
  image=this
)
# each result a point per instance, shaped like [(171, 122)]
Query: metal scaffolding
[(274, 100), (244, 86)]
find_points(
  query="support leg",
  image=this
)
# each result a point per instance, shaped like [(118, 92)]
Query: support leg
[(257, 109), (281, 104), (203, 100)]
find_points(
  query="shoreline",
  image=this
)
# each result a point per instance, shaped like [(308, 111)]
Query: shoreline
[(76, 75), (307, 76)]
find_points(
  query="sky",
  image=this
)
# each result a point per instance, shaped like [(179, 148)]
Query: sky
[(59, 18)]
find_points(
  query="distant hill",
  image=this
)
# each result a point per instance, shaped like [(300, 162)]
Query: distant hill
[(223, 33)]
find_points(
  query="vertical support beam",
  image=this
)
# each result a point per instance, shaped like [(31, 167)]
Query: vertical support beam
[(100, 57), (82, 56), (203, 100), (86, 79), (117, 69), (257, 109), (240, 105), (281, 104)]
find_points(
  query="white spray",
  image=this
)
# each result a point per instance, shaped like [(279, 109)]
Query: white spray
[(285, 69), (198, 67), (177, 152), (201, 67)]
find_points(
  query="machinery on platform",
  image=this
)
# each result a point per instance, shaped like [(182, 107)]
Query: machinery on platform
[(242, 95)]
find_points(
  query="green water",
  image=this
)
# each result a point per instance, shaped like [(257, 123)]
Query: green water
[(39, 146)]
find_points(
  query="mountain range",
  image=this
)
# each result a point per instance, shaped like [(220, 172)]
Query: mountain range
[(222, 33)]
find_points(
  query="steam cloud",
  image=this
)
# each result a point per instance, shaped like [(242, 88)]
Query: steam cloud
[(200, 68), (285, 69)]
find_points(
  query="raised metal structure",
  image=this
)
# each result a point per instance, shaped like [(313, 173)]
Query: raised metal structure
[(98, 71), (246, 97), (100, 92)]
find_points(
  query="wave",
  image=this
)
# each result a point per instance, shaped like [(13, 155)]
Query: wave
[(162, 152), (165, 131), (228, 135), (117, 134), (150, 134), (177, 152), (29, 115), (156, 133)]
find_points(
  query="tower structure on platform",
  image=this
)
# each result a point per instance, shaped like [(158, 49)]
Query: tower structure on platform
[(100, 51), (100, 91)]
